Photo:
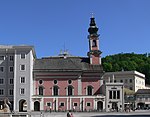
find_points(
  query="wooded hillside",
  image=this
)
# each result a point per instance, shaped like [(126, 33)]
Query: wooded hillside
[(128, 62)]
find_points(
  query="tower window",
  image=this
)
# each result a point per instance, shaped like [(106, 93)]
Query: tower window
[(94, 43)]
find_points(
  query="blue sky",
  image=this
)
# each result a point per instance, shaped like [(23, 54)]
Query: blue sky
[(124, 25)]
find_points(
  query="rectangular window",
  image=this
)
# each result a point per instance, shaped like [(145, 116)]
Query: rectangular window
[(11, 58), (88, 104), (22, 91), (11, 91), (75, 104), (23, 55), (114, 94), (110, 94), (11, 81), (1, 91), (2, 57), (22, 79), (1, 81), (48, 104), (118, 94), (1, 69), (11, 69), (22, 67), (62, 104), (130, 80)]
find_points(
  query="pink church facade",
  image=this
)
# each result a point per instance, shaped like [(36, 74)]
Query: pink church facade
[(70, 83)]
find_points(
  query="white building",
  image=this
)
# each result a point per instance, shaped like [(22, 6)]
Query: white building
[(16, 80), (132, 80)]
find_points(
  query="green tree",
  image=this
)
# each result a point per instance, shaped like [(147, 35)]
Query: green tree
[(128, 62)]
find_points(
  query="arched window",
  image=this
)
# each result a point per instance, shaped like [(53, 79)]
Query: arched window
[(70, 90), (55, 90), (41, 90), (89, 90), (94, 43)]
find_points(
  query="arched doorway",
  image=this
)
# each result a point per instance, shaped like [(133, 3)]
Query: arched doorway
[(99, 105), (36, 106), (22, 105)]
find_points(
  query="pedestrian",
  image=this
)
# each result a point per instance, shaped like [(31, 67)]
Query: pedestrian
[(71, 115), (41, 115), (74, 108), (50, 109), (68, 114)]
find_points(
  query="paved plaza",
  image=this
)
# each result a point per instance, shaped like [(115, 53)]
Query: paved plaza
[(143, 113)]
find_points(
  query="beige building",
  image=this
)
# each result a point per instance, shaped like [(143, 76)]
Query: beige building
[(132, 80)]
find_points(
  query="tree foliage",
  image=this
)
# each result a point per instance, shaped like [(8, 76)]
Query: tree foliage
[(128, 62)]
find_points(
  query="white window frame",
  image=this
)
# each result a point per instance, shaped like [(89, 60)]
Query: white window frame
[(21, 67), (24, 56), (21, 79), (88, 103), (21, 91), (9, 69)]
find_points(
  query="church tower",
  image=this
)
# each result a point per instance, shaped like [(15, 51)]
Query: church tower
[(94, 52)]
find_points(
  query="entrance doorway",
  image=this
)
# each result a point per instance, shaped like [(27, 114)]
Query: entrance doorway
[(99, 105), (140, 105), (115, 106), (36, 106), (22, 105)]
